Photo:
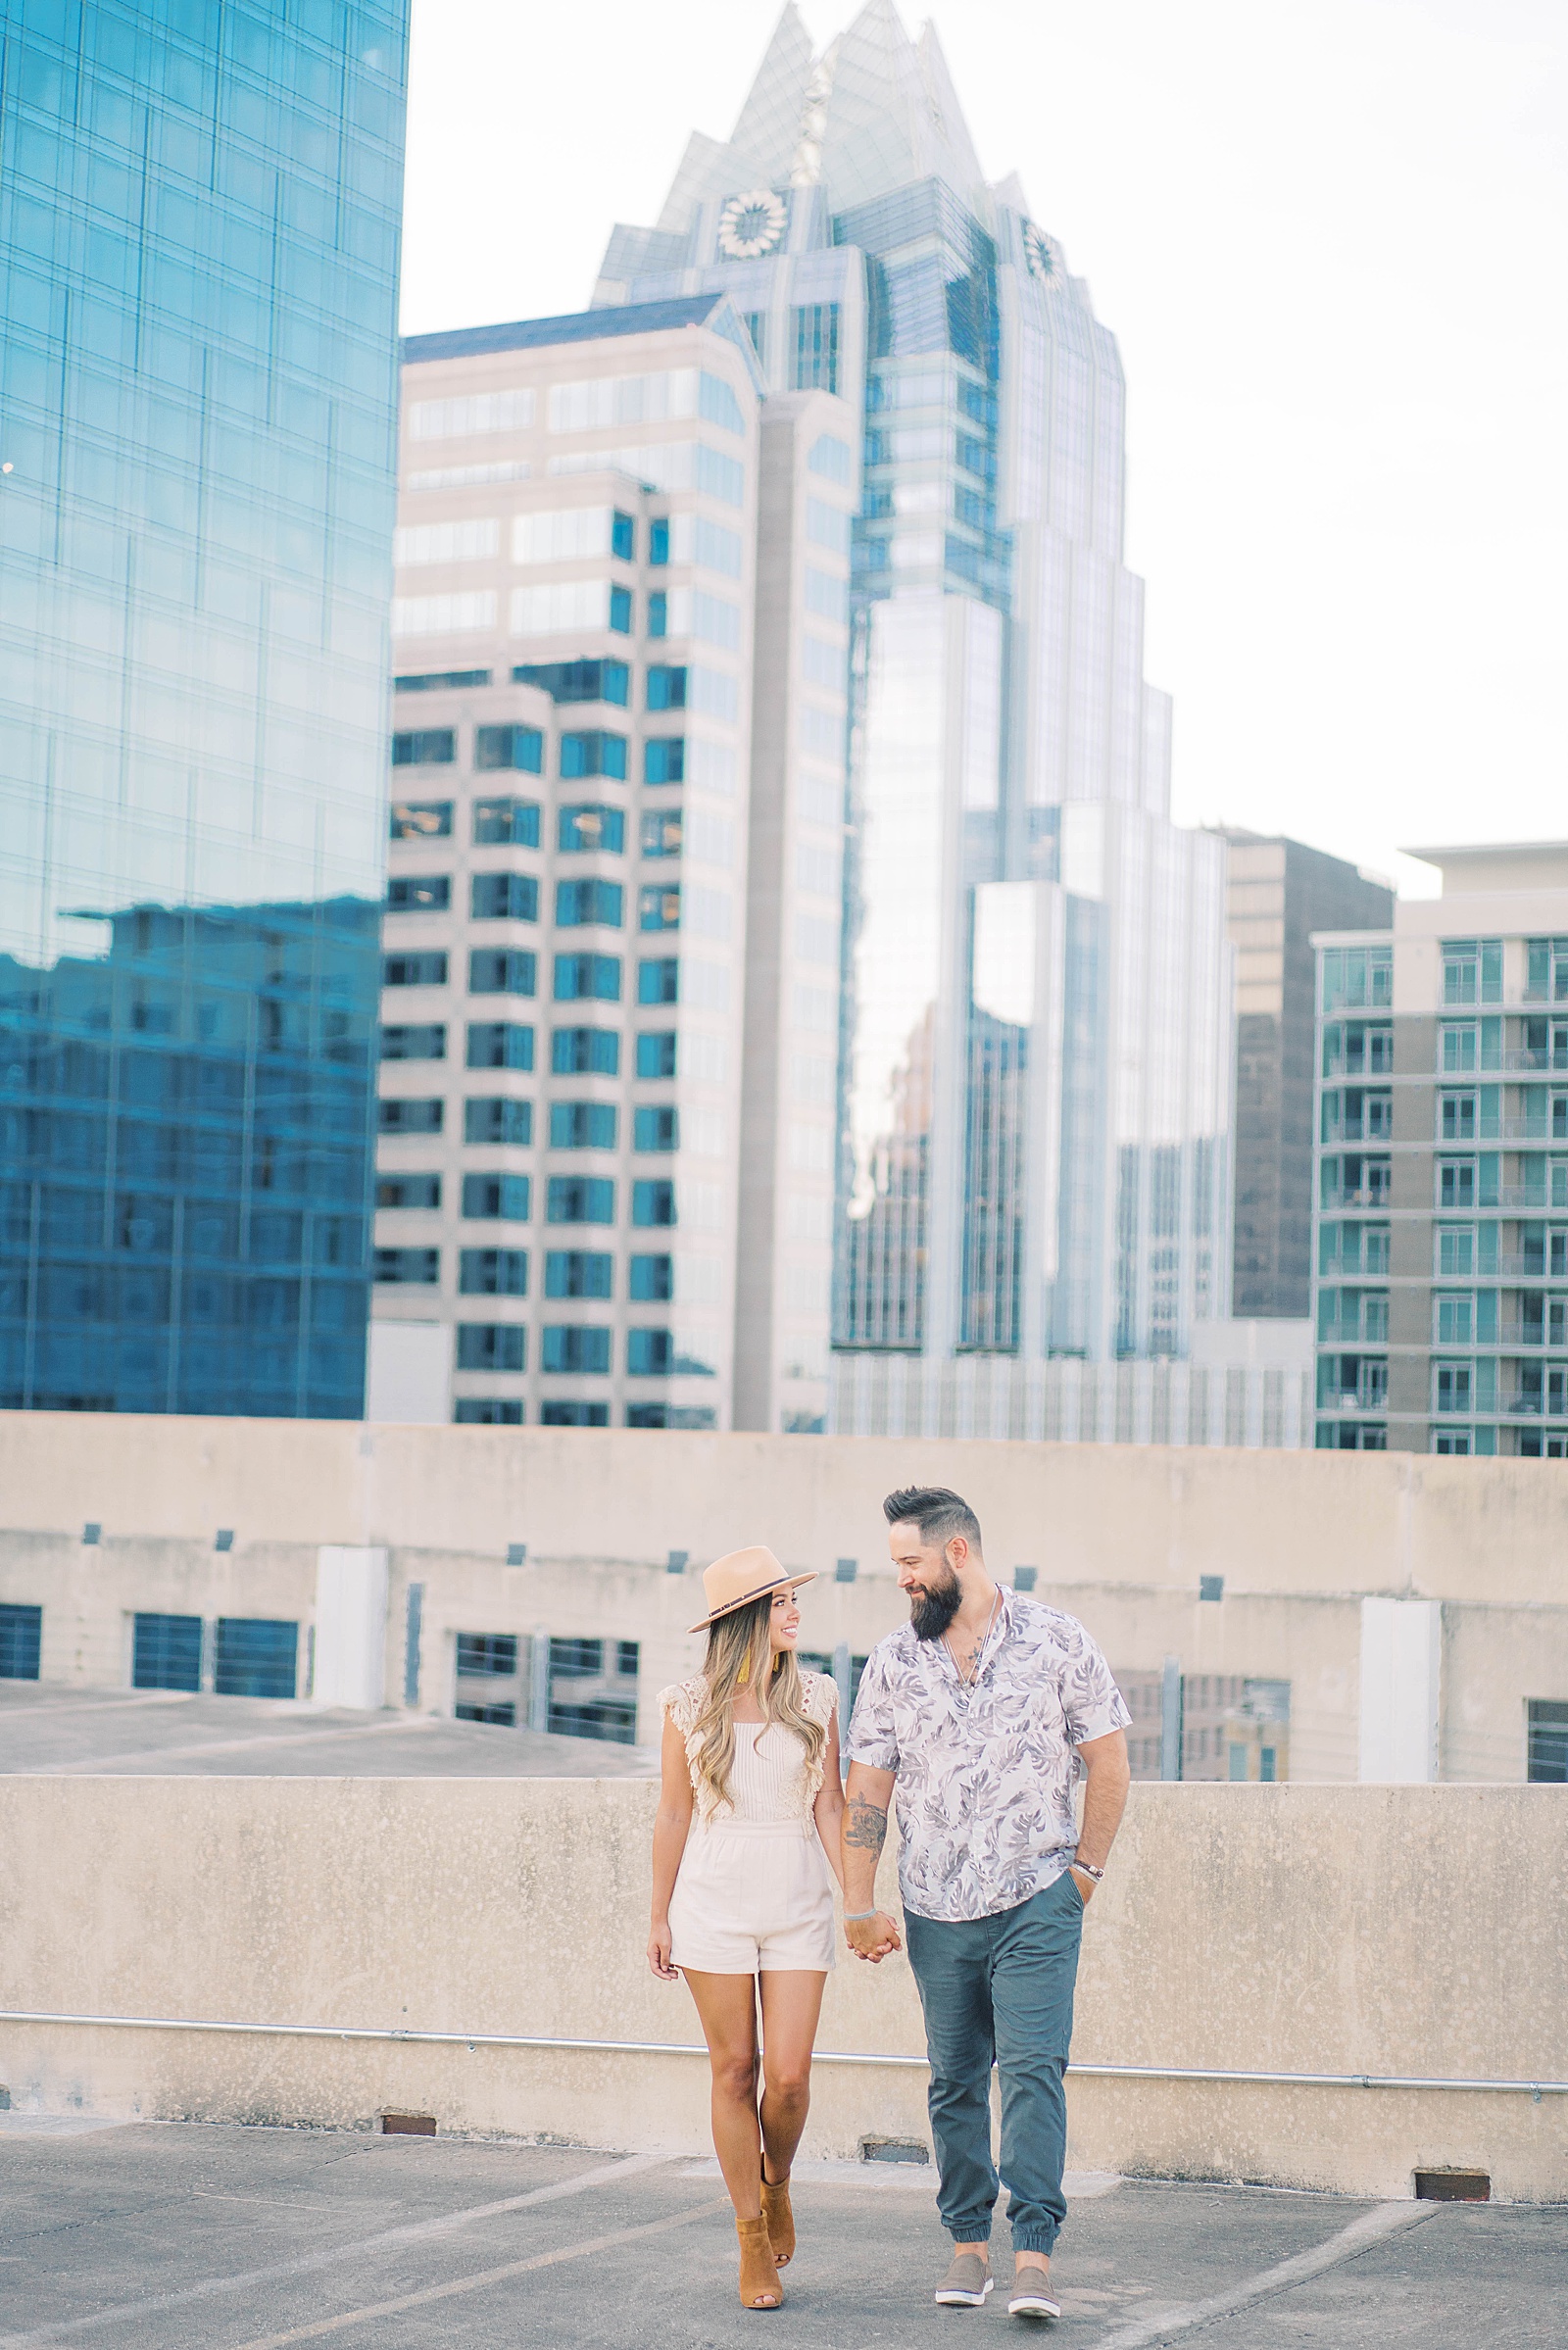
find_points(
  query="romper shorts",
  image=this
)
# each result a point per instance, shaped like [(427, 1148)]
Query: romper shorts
[(753, 1897)]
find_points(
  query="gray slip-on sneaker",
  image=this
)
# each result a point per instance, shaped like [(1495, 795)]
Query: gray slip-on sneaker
[(1032, 2296), (965, 2285)]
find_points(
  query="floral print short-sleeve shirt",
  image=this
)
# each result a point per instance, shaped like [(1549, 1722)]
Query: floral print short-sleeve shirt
[(985, 1769)]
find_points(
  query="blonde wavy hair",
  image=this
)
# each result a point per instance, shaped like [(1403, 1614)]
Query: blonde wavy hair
[(739, 1649)]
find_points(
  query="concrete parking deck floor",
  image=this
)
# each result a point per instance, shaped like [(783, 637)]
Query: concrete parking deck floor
[(175, 2236), (120, 1732)]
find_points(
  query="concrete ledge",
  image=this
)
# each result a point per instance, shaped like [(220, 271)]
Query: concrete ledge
[(1282, 1928)]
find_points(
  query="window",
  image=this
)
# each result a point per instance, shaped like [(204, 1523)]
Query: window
[(582, 1126), (585, 1052), (469, 413), (659, 982), (1457, 1118), (1456, 1251), (578, 680), (664, 759), (414, 971), (582, 977), (498, 1118), (429, 746), (580, 1199), (658, 614), (833, 458), (407, 1191), (658, 541), (505, 824), (166, 1652), (656, 1129), (501, 1198), (655, 1052), (652, 1279), (493, 1272), (817, 347), (255, 1657), (575, 1346), (421, 1267), (1472, 970), (659, 908), (1351, 976), (504, 897), (500, 1045), (594, 754), (1452, 1387), (1454, 1320), (502, 971), (487, 1655), (441, 681), (578, 1273), (652, 1204), (20, 1642), (1456, 1183), (1547, 1741), (661, 833), (1458, 1049), (521, 748), (574, 1415), (620, 611), (588, 828), (492, 1346), (649, 1354), (589, 904), (425, 820), (418, 893), (1546, 970), (718, 403), (666, 688), (487, 1412), (427, 1042), (622, 537), (410, 1117)]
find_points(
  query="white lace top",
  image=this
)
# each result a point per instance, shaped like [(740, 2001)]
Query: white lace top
[(770, 1778)]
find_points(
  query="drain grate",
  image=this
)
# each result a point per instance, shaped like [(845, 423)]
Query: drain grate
[(1453, 2187), (407, 2125)]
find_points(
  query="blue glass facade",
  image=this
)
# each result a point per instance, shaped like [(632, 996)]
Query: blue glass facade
[(198, 267)]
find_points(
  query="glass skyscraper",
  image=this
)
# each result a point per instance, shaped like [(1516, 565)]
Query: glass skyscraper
[(1035, 1052), (199, 244)]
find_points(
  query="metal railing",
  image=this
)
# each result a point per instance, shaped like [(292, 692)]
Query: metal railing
[(822, 2056)]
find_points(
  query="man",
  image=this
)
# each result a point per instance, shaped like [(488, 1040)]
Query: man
[(979, 1711)]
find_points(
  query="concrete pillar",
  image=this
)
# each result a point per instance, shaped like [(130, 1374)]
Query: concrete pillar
[(1170, 1718), (408, 1376), (539, 1681), (1402, 1676), (351, 1603)]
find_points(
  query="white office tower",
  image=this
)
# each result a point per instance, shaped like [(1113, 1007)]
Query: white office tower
[(580, 578), (1034, 1068)]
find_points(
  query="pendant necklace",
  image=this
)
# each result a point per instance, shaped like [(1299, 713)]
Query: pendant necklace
[(967, 1680)]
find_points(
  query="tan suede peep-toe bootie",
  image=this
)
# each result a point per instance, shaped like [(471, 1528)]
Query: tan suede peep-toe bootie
[(761, 2286), (779, 2217)]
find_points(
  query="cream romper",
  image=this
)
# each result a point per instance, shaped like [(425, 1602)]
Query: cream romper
[(753, 1891)]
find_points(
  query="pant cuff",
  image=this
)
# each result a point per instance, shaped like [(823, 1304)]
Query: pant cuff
[(1034, 2239), (974, 2231)]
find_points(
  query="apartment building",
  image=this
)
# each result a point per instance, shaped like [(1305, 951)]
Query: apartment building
[(593, 511), (1441, 1230)]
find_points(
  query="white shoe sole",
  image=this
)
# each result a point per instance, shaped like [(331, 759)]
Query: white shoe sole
[(964, 2300), (1033, 2305)]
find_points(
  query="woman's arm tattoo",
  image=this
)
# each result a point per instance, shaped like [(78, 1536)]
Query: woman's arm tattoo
[(865, 1827)]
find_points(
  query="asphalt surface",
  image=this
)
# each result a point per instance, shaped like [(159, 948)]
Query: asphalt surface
[(116, 1731), (178, 2236)]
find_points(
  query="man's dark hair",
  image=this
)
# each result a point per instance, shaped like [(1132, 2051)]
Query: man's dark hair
[(939, 1513)]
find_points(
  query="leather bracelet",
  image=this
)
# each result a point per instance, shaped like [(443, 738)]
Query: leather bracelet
[(1088, 1868)]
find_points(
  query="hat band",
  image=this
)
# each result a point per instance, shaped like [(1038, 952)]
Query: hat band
[(726, 1606)]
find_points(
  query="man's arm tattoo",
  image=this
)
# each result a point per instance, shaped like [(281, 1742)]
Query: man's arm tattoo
[(865, 1827)]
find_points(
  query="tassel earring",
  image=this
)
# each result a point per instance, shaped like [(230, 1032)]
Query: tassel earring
[(744, 1675)]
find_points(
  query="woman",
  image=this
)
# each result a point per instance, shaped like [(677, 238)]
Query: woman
[(746, 1853)]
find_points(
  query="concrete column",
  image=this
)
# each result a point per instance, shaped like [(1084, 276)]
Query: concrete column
[(539, 1681), (1170, 1718), (413, 1627), (1402, 1676), (351, 1603)]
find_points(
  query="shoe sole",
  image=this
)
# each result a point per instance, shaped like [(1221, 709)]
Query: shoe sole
[(954, 2300), (1035, 2306)]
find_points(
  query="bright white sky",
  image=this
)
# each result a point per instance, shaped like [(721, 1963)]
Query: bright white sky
[(1331, 239)]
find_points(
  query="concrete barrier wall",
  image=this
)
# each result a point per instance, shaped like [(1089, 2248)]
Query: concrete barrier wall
[(1118, 1534), (1405, 1931)]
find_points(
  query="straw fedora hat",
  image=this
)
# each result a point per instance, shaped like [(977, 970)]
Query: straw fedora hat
[(740, 1577)]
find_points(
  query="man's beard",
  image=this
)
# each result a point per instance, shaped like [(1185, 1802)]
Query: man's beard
[(932, 1612)]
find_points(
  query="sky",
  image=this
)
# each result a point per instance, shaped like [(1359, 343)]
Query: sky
[(1330, 237)]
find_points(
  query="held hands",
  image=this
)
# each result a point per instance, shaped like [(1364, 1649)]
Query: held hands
[(873, 1938), (659, 1954)]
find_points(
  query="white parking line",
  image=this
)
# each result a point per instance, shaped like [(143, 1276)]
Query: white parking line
[(1385, 2219), (416, 2233)]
